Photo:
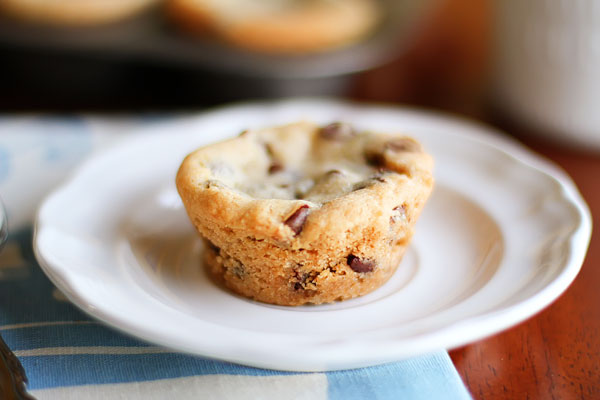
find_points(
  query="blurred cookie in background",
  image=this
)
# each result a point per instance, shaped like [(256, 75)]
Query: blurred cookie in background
[(278, 26), (73, 12)]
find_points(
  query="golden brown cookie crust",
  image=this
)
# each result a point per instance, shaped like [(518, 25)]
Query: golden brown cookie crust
[(346, 246)]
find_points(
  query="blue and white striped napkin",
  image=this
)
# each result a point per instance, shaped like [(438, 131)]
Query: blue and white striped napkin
[(67, 355)]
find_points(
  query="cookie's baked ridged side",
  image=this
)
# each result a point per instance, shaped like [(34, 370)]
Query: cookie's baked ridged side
[(285, 286)]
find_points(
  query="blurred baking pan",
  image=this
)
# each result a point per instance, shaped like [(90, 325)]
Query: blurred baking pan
[(150, 37)]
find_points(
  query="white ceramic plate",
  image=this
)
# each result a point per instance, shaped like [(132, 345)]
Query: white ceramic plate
[(502, 236)]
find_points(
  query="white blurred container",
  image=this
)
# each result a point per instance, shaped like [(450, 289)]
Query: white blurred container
[(547, 66)]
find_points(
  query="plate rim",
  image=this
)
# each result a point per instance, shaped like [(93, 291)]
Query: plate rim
[(454, 334)]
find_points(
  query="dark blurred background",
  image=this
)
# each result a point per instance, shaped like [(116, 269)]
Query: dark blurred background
[(433, 55)]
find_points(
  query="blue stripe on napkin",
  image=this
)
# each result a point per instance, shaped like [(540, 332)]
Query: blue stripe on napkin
[(426, 377)]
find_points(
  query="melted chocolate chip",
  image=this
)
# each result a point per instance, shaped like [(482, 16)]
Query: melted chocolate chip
[(361, 185), (403, 144), (275, 167), (244, 132), (375, 159), (297, 219), (338, 131), (300, 277), (238, 270), (399, 213), (368, 182), (358, 265), (213, 246)]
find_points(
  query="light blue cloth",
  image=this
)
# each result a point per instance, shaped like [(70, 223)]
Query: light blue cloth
[(62, 349)]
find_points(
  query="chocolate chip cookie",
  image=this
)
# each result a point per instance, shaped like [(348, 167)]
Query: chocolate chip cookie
[(278, 26), (303, 213), (73, 12)]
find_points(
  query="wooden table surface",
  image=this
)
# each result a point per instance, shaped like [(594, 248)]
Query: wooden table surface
[(556, 354)]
